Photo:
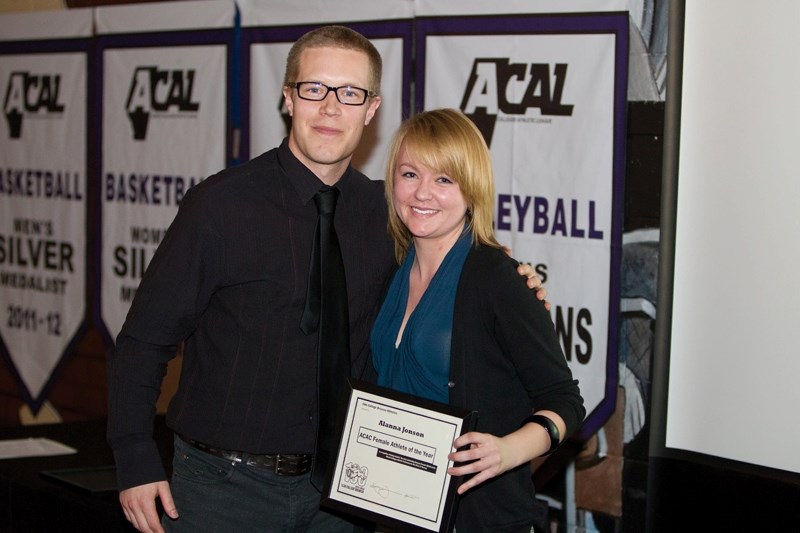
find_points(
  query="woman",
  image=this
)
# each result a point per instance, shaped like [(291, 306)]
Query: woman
[(456, 325)]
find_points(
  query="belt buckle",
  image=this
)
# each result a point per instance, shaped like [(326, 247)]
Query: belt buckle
[(234, 457), (278, 467)]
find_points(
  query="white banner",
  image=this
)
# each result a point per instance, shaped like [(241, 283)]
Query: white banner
[(164, 124), (258, 13), (164, 16), (545, 102), (524, 7), (42, 210), (46, 25)]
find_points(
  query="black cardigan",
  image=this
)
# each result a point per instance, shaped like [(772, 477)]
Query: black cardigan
[(505, 363)]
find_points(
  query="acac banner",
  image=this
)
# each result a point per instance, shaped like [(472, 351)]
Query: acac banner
[(43, 192), (548, 93), (164, 128)]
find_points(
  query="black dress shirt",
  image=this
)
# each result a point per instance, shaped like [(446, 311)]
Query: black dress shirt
[(230, 279)]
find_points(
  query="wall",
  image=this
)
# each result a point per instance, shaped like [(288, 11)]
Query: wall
[(80, 391), (17, 6)]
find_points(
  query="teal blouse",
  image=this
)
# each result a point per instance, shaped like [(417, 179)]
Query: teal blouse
[(420, 363)]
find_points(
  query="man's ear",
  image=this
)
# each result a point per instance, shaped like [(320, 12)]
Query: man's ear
[(373, 107), (287, 99)]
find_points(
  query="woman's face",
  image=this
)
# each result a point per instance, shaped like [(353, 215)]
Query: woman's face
[(429, 202)]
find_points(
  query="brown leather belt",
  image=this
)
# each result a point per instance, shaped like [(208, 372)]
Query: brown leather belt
[(281, 464)]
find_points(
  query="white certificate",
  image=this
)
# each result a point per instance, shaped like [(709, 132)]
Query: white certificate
[(391, 466)]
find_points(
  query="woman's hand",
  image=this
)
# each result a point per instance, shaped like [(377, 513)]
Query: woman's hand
[(487, 456)]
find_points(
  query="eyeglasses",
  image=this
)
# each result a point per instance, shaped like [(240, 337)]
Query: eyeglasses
[(316, 91)]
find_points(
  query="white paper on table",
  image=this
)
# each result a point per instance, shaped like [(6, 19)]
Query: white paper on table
[(32, 447)]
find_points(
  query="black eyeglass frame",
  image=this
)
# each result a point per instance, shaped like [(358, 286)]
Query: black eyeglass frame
[(328, 88)]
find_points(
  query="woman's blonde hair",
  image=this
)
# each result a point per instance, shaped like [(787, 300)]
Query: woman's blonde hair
[(447, 141)]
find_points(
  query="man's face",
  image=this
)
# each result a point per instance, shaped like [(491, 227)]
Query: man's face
[(325, 134)]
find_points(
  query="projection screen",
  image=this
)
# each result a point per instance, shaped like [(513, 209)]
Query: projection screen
[(727, 365)]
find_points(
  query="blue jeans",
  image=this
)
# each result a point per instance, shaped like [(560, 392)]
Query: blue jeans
[(213, 495)]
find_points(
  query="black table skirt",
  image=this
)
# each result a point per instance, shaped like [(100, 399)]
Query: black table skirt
[(33, 503)]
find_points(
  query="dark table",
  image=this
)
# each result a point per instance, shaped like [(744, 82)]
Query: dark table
[(33, 503)]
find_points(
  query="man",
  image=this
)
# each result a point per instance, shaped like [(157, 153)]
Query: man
[(230, 281)]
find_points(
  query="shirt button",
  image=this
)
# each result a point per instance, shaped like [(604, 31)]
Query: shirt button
[(451, 384)]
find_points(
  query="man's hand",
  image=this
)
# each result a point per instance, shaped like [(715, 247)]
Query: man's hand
[(534, 282), (139, 505)]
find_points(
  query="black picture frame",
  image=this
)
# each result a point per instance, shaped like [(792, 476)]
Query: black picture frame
[(368, 396)]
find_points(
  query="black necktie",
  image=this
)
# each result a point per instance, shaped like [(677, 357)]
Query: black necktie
[(326, 310)]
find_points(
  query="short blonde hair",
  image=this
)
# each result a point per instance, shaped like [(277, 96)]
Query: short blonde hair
[(335, 37), (446, 140)]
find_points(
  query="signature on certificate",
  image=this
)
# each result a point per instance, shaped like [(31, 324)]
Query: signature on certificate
[(384, 492)]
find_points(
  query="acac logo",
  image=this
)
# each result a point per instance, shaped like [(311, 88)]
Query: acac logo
[(29, 94), (497, 85), (160, 92)]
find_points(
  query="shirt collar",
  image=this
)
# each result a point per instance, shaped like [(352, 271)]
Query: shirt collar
[(305, 182)]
